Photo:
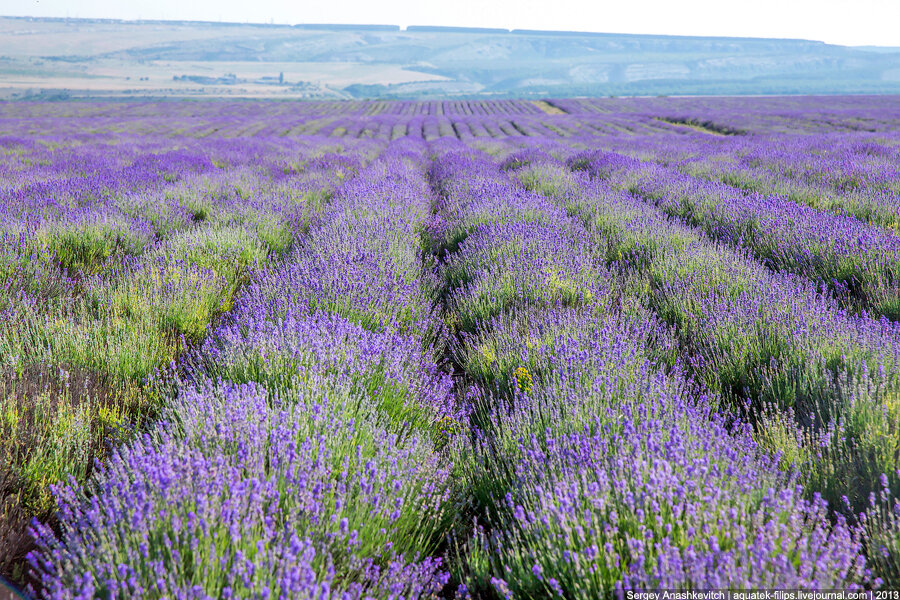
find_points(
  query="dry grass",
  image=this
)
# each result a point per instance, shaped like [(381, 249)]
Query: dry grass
[(55, 421), (548, 108)]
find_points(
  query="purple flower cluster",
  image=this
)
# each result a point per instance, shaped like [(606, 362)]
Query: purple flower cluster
[(653, 499), (242, 494), (299, 347), (754, 334), (850, 256), (365, 261)]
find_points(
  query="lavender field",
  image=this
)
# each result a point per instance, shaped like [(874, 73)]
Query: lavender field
[(492, 349)]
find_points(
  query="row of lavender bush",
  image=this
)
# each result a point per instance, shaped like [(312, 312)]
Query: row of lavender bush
[(819, 383), (116, 263), (86, 361), (593, 467)]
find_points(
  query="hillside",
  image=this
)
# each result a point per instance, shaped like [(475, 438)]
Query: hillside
[(82, 57)]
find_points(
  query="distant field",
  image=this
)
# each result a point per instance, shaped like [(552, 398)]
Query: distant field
[(95, 58), (92, 59), (451, 349), (287, 80)]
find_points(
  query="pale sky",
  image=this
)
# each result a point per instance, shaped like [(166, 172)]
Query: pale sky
[(854, 22)]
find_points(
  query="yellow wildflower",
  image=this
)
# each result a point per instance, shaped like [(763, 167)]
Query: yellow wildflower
[(523, 378)]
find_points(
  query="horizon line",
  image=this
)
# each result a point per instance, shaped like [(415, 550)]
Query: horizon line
[(435, 29)]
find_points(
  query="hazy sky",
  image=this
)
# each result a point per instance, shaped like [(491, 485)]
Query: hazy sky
[(851, 22)]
